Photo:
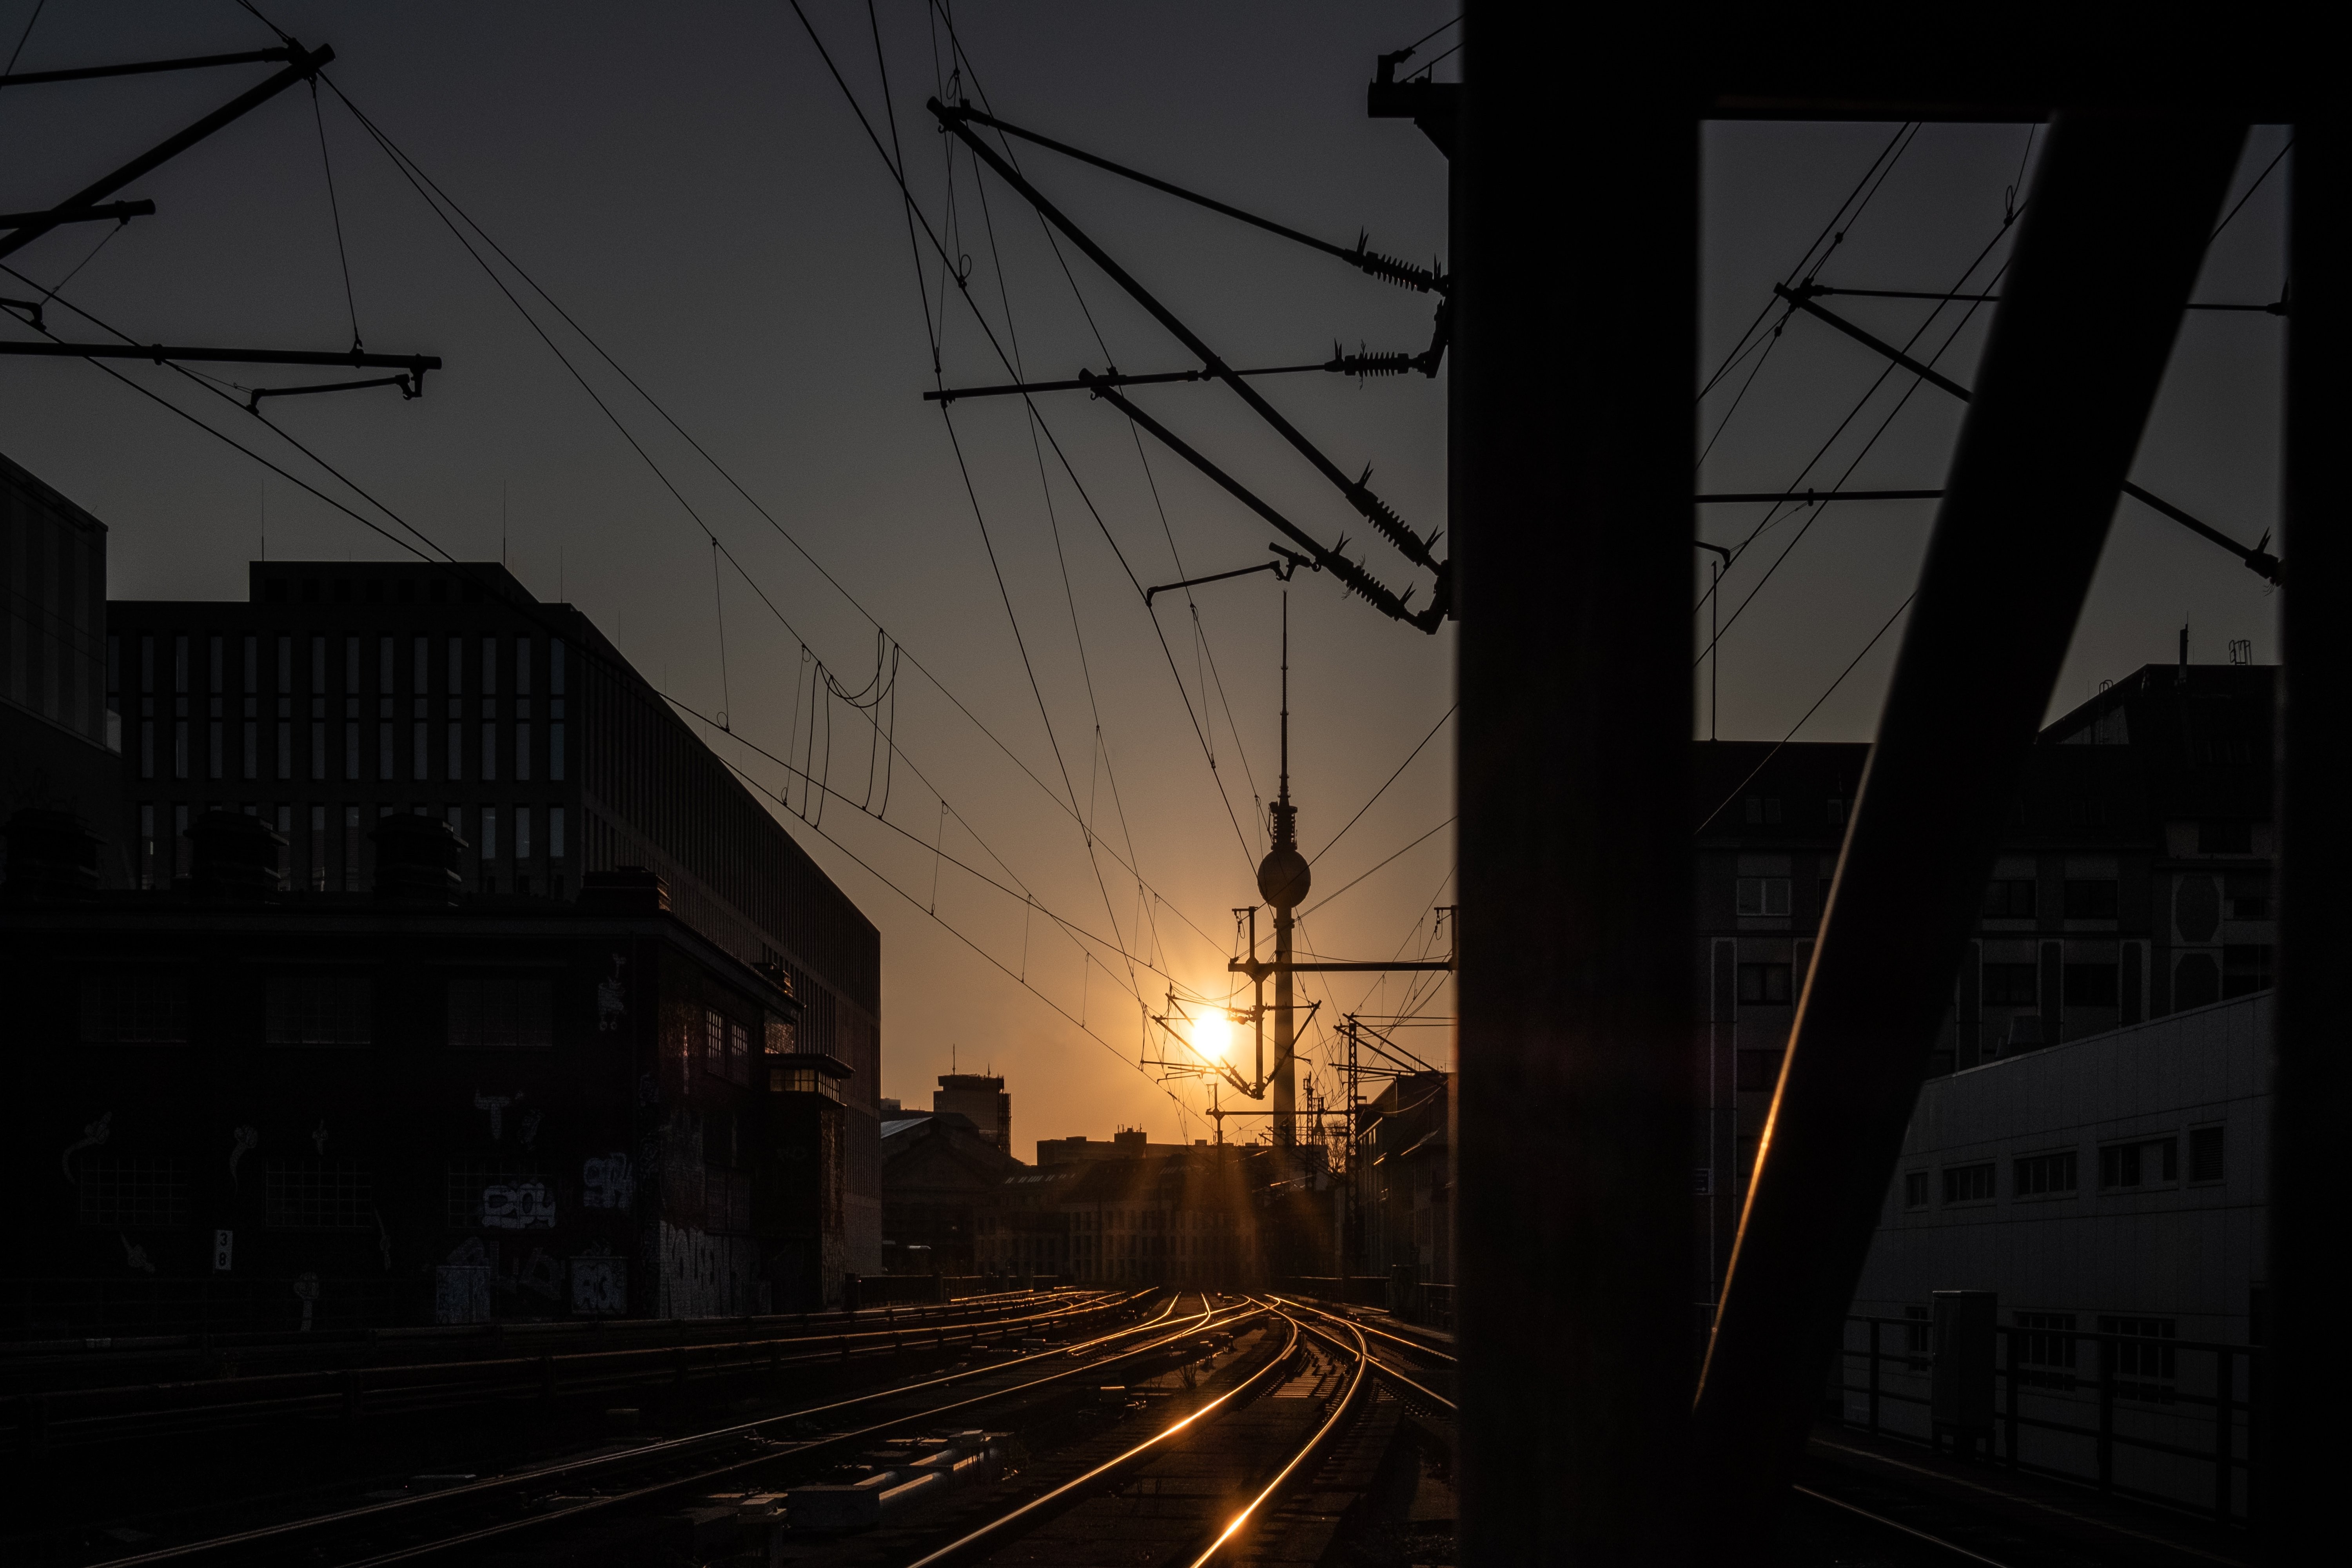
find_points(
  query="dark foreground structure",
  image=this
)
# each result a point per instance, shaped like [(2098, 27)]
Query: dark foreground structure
[(253, 1109), (1572, 454)]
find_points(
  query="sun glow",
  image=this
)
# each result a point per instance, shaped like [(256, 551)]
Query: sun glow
[(1212, 1035)]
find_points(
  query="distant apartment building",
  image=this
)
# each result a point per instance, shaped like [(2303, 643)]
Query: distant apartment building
[(2135, 883), (341, 693), (57, 733), (980, 1098)]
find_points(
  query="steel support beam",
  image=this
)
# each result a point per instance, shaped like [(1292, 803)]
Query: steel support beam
[(2303, 1456), (1572, 436), (302, 66), (2109, 247)]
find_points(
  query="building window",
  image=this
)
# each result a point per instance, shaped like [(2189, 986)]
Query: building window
[(1919, 1337), (1914, 1189), (147, 867), (1968, 1184), (1762, 896), (522, 833), (2092, 985), (490, 1194), (727, 1201), (318, 848), (335, 1011), (135, 1009), (132, 1195), (2046, 1350), (2143, 1370), (2091, 900), (2011, 899), (2045, 1175), (501, 1012), (317, 1195), (2011, 985), (1764, 810), (2225, 838), (1766, 985), (2196, 982), (2150, 1163), (555, 833), (2205, 1154), (2245, 968), (2246, 895)]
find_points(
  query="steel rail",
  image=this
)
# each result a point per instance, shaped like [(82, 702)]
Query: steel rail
[(1405, 1341), (278, 1395), (1314, 1445), (1955, 1548), (288, 1532), (1395, 1374), (1033, 1510), (704, 1478)]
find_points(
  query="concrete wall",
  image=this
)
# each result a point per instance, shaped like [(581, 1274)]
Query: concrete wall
[(2179, 1257)]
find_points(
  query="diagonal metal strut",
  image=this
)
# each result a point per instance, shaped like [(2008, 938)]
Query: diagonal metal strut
[(2257, 559), (2112, 240), (1359, 495)]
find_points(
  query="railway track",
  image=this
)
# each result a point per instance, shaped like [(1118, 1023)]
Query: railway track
[(678, 1355), (543, 1504)]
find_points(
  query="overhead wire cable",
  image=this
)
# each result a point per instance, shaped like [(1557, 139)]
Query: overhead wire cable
[(416, 174), (1062, 457), (335, 210), (1392, 778), (1809, 712)]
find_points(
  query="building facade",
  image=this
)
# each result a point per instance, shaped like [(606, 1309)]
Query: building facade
[(343, 692), (2134, 884), (2113, 1185), (941, 1175), (58, 736), (979, 1098), (253, 1107)]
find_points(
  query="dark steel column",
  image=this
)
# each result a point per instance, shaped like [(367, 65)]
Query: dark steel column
[(1572, 430), (2303, 1451), (2109, 247)]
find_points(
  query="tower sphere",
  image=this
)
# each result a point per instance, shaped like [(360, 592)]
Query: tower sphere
[(1283, 877)]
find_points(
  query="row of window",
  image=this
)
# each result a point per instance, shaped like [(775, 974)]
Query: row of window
[(2126, 1166), (2246, 895), (252, 736), (2245, 968), (335, 855), (340, 1194), (483, 1012), (215, 649)]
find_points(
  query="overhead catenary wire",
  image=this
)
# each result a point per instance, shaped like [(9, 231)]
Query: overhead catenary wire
[(437, 198)]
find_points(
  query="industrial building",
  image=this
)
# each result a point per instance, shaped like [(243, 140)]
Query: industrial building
[(2135, 883), (58, 735), (2112, 1185), (266, 1108), (341, 692)]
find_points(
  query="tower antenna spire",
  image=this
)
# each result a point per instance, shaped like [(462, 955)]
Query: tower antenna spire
[(1286, 697)]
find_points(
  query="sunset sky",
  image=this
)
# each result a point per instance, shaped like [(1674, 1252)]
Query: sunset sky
[(689, 185)]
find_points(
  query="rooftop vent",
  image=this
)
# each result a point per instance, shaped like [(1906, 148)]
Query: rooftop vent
[(623, 890), (52, 856), (416, 861), (235, 859)]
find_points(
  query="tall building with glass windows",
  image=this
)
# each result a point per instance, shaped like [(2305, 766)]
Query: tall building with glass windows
[(341, 692)]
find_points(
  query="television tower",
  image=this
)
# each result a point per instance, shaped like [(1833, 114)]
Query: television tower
[(1283, 879)]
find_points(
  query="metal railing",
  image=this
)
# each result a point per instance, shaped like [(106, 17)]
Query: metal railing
[(2125, 1393)]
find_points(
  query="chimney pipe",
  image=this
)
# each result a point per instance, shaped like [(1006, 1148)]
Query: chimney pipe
[(235, 859), (416, 861), (52, 857)]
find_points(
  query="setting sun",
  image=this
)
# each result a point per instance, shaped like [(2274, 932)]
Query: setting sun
[(1212, 1035)]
